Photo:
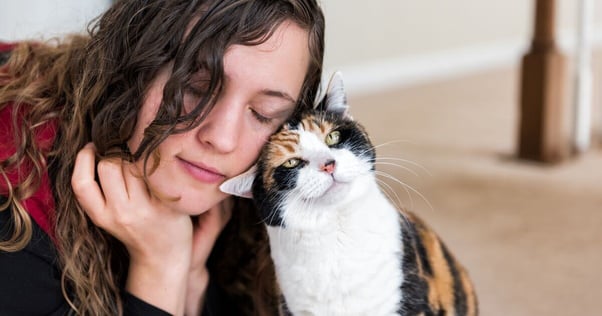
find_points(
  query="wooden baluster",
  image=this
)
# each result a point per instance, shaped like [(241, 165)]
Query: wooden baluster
[(541, 134)]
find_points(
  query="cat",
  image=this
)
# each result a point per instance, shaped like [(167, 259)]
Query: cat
[(339, 246)]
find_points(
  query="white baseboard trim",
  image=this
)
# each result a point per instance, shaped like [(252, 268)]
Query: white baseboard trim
[(382, 75)]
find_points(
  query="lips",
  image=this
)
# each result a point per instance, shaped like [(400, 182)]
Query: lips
[(200, 172)]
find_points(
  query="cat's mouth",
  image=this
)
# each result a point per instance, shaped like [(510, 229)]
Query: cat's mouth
[(329, 194), (336, 185)]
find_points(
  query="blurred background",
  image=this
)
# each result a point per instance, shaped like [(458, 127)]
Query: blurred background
[(438, 86)]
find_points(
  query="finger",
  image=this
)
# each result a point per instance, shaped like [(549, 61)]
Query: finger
[(86, 189), (134, 182), (112, 182)]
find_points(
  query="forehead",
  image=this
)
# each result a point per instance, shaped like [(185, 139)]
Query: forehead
[(316, 124), (280, 63)]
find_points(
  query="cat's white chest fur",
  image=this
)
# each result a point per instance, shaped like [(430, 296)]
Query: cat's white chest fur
[(351, 266)]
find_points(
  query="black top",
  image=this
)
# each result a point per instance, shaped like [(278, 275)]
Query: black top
[(30, 281)]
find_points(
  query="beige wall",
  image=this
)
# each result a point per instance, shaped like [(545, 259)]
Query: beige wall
[(44, 19), (393, 28), (385, 31), (376, 42)]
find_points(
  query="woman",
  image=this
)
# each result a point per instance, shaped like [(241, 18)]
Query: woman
[(114, 145)]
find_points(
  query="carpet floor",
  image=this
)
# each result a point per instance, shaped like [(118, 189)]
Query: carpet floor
[(529, 234)]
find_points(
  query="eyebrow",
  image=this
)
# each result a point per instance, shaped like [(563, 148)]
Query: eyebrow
[(278, 94), (273, 93)]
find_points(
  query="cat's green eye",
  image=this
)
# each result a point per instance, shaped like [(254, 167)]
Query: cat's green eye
[(333, 138), (291, 163)]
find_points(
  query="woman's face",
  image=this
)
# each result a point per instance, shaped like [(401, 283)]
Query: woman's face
[(262, 84)]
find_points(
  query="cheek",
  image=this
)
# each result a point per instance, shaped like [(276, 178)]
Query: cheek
[(144, 121), (150, 105), (250, 147), (145, 117)]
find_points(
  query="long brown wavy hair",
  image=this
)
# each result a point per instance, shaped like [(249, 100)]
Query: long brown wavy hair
[(93, 87)]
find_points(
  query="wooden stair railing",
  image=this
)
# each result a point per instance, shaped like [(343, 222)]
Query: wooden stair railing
[(542, 136)]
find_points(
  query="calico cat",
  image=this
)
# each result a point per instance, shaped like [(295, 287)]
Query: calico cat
[(339, 246)]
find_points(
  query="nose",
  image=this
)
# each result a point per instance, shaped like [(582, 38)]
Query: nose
[(221, 128), (328, 167)]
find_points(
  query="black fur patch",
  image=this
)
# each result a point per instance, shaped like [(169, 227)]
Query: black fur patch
[(268, 200), (459, 294), (353, 136), (414, 287)]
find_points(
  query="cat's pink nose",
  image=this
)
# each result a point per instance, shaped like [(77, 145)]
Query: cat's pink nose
[(328, 167)]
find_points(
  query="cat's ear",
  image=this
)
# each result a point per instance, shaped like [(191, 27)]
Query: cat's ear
[(335, 99), (241, 185)]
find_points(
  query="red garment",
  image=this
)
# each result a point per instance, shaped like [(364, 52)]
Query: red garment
[(5, 47), (40, 205)]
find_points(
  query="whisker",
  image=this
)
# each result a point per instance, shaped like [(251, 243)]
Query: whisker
[(405, 219), (387, 188), (407, 161), (391, 142), (374, 147), (396, 165), (405, 185), (400, 207), (283, 216), (275, 214)]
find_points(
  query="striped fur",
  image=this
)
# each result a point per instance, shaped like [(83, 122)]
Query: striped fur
[(339, 246), (438, 284)]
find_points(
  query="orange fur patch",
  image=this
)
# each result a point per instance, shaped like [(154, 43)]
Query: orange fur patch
[(441, 294)]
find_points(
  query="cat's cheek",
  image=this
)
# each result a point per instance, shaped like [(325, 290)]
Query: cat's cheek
[(347, 166), (312, 185), (343, 176), (352, 169), (347, 172)]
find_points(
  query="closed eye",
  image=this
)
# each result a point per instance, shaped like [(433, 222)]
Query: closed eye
[(198, 85), (261, 118), (195, 92)]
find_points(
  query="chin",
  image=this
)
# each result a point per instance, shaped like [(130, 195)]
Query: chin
[(193, 207), (196, 201), (335, 194)]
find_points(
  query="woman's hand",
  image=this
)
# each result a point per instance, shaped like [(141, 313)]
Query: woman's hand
[(159, 240)]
